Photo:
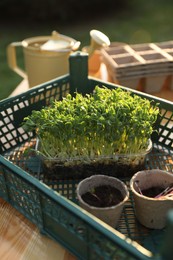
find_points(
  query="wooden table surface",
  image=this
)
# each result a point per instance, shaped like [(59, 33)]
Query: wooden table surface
[(19, 238)]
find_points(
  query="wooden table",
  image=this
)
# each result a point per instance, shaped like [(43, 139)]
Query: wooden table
[(20, 239)]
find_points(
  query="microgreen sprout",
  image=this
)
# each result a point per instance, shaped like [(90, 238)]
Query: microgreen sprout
[(104, 123)]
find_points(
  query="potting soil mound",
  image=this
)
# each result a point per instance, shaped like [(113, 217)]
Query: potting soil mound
[(103, 196)]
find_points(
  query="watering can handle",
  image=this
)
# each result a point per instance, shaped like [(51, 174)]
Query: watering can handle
[(12, 62)]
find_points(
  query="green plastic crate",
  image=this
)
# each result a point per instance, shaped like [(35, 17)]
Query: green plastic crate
[(52, 205)]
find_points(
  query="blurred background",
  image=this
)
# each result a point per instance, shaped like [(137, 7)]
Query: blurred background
[(121, 20)]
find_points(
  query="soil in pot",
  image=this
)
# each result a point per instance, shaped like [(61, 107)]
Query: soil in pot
[(103, 196), (155, 191), (152, 192)]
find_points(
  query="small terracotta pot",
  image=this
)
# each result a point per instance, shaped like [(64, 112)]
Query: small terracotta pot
[(109, 215), (151, 212)]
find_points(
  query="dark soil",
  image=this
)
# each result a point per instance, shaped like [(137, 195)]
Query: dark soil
[(103, 196), (77, 172), (152, 192)]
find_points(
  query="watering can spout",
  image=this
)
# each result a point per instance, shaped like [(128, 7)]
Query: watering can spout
[(98, 41)]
